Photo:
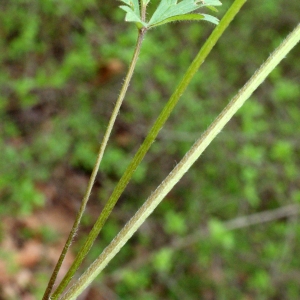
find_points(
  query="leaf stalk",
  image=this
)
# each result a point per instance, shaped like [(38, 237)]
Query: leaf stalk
[(91, 182)]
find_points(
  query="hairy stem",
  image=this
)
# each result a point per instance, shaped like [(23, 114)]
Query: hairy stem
[(162, 118), (192, 155), (95, 170)]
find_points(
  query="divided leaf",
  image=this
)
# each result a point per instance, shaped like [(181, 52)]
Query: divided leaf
[(134, 4), (132, 9), (190, 17), (212, 8), (170, 11)]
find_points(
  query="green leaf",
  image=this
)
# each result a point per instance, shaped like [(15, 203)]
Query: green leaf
[(189, 17), (132, 9), (210, 18), (220, 235), (169, 11), (130, 16), (170, 8), (163, 260), (212, 8), (175, 223), (134, 4)]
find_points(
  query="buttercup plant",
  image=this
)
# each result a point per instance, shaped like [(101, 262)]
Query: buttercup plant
[(167, 11)]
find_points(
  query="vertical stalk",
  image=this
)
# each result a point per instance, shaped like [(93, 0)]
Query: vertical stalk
[(95, 170), (162, 118), (143, 11), (183, 166)]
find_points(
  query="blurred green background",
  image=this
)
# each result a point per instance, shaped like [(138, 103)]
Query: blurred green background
[(62, 66)]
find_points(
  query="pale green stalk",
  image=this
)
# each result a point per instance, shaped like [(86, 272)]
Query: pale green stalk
[(97, 164), (183, 166), (159, 123)]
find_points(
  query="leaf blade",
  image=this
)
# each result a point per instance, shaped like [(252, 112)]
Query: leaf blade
[(132, 9), (171, 8), (188, 17)]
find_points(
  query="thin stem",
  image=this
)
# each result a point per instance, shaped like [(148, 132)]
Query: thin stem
[(96, 168), (159, 123), (143, 12), (192, 155)]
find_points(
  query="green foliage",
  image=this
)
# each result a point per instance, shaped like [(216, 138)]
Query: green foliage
[(163, 260), (286, 90), (175, 223), (136, 281), (260, 280), (168, 11), (27, 197), (220, 235), (16, 185), (172, 10), (51, 54)]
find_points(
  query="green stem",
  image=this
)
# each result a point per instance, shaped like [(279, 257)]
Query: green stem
[(96, 168), (143, 11), (183, 166), (162, 118)]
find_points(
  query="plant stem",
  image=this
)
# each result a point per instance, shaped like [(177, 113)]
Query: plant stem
[(143, 11), (96, 167), (191, 156), (162, 118)]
